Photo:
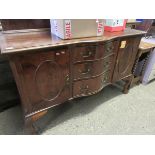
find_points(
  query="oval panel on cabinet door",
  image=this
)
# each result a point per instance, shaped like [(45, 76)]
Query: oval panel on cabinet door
[(49, 81), (126, 55), (44, 78)]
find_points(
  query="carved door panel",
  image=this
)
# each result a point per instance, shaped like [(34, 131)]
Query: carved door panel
[(44, 78), (126, 56)]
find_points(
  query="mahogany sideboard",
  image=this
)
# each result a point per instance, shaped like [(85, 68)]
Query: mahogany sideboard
[(49, 71)]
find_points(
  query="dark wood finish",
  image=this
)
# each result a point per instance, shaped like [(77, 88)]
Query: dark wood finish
[(127, 85), (91, 69), (29, 126), (44, 77), (90, 86), (126, 57), (93, 52), (30, 40), (50, 71), (18, 24)]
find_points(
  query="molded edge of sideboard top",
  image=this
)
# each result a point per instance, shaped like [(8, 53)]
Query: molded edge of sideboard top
[(28, 40)]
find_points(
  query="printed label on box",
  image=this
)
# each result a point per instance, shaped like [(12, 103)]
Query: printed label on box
[(114, 22), (67, 29), (99, 28)]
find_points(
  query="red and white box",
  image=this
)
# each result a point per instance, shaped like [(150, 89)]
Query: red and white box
[(77, 28), (113, 25)]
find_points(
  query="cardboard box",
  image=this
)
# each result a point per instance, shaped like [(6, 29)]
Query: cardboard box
[(113, 25), (77, 28)]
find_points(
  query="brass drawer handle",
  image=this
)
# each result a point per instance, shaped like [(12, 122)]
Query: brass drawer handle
[(57, 53), (85, 72), (84, 89), (63, 52), (67, 79), (109, 49), (88, 54), (104, 80)]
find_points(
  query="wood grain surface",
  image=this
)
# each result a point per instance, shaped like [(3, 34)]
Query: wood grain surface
[(29, 40)]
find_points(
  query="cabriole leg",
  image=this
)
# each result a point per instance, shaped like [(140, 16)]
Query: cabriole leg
[(30, 128)]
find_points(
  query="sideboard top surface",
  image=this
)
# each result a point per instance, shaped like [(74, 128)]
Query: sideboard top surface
[(28, 40)]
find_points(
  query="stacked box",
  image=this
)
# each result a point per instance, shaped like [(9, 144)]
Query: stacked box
[(113, 25), (77, 28)]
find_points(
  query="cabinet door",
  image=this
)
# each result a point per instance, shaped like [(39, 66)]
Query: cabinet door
[(43, 79), (126, 56)]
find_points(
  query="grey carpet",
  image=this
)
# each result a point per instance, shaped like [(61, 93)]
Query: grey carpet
[(108, 112)]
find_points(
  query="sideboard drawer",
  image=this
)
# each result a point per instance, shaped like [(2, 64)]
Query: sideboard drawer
[(91, 69), (93, 52), (83, 53), (90, 86)]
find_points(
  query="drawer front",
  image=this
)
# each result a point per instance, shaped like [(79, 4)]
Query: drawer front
[(92, 52), (91, 69), (90, 86)]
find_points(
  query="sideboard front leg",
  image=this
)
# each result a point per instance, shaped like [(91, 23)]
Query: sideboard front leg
[(127, 85), (30, 128)]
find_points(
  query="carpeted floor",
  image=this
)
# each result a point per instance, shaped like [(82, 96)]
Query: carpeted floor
[(108, 112)]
